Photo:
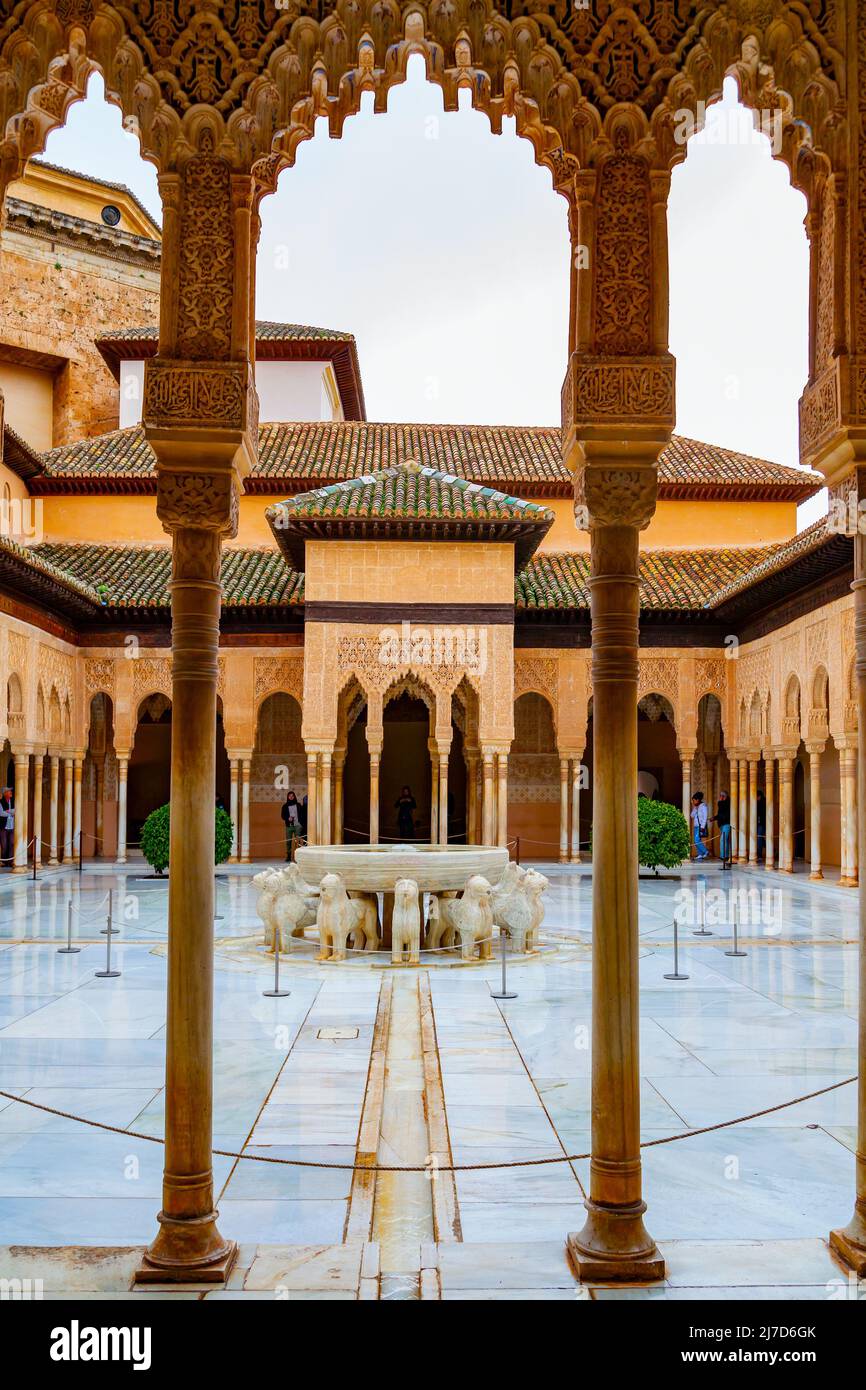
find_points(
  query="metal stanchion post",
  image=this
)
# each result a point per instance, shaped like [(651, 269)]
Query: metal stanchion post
[(276, 992), (69, 949), (675, 975), (110, 929), (35, 843), (80, 850), (736, 951), (504, 992), (702, 929), (107, 973)]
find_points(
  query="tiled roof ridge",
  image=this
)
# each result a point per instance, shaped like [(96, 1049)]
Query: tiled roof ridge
[(149, 332), (306, 501), (111, 184)]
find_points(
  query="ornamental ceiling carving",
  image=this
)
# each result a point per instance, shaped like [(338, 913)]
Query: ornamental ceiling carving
[(258, 73)]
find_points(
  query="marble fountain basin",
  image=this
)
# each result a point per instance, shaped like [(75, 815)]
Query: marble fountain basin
[(376, 868)]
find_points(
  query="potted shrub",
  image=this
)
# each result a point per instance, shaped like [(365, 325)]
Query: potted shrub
[(155, 837), (662, 835)]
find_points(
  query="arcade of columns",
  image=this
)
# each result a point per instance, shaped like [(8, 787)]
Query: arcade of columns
[(220, 106)]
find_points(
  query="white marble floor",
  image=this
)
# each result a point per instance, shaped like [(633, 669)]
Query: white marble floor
[(739, 1035)]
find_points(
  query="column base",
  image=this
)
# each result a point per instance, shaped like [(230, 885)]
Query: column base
[(848, 883), (22, 869), (188, 1251), (849, 1246), (615, 1246), (816, 876), (575, 859), (563, 859)]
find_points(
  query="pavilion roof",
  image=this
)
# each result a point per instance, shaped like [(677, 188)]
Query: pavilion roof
[(526, 460), (408, 501), (670, 580)]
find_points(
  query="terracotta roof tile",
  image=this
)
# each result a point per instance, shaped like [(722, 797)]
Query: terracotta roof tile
[(670, 580), (410, 490), (505, 455), (137, 576)]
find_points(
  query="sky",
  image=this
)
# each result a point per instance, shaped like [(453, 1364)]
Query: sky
[(444, 249)]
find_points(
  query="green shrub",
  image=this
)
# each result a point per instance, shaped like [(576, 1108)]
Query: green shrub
[(155, 837), (662, 834)]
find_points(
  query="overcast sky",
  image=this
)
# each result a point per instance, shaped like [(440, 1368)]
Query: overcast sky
[(444, 250)]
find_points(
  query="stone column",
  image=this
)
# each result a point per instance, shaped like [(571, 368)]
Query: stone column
[(233, 810), (753, 810), (325, 801), (245, 767), (67, 808), (575, 810), (434, 792), (743, 817), (122, 777), (733, 766), (98, 806), (78, 768), (685, 759), (502, 798), (814, 750), (443, 796), (38, 759), (563, 810), (614, 1243), (53, 810), (770, 794), (19, 837), (489, 799), (375, 756), (312, 798), (200, 418), (710, 795), (848, 828), (339, 764), (471, 798), (786, 813)]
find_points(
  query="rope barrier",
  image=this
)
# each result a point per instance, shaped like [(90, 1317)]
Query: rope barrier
[(423, 1167)]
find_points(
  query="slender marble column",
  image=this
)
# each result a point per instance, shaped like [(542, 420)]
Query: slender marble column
[(563, 810), (245, 810), (122, 779), (68, 772), (733, 764), (189, 1244), (786, 814), (38, 759), (374, 796), (614, 1242), (434, 794), (98, 809), (502, 798), (753, 811), (443, 798), (471, 798), (19, 837), (814, 751), (575, 811), (339, 764), (78, 768), (325, 801), (770, 794), (489, 836), (312, 798), (743, 818), (233, 810), (687, 785), (848, 776), (53, 810)]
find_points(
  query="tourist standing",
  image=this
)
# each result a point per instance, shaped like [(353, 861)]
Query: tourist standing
[(699, 825), (723, 821), (291, 814), (7, 827), (761, 824), (405, 806)]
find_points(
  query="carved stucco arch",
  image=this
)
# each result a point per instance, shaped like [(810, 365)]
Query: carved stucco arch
[(259, 77)]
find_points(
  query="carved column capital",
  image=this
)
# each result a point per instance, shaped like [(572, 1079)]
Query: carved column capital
[(614, 494), (196, 502)]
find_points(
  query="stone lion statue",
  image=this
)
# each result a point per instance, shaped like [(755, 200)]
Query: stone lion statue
[(338, 917), (468, 920), (519, 910), (406, 922), (284, 903)]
